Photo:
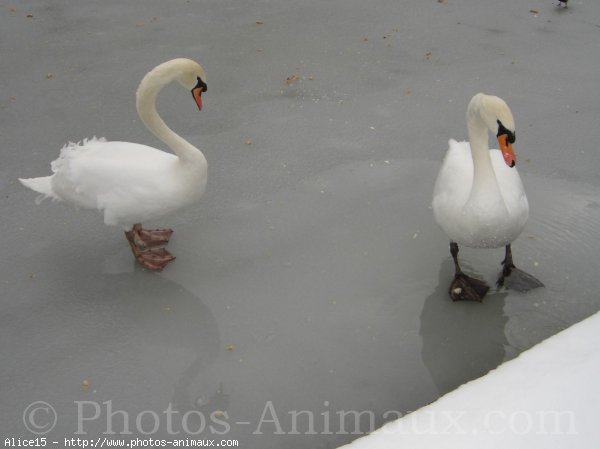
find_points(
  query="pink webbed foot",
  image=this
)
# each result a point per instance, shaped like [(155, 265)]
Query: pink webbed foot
[(154, 258), (149, 238), (145, 245)]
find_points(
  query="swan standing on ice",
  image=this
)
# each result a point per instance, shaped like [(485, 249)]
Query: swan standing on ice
[(132, 183), (479, 200)]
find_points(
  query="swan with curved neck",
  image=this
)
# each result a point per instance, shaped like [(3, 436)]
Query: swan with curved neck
[(132, 183), (479, 200)]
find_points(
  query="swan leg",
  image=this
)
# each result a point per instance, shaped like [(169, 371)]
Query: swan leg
[(144, 244), (513, 278), (464, 287)]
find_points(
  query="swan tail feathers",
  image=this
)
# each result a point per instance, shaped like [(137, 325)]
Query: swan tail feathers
[(70, 150), (41, 185), (60, 166)]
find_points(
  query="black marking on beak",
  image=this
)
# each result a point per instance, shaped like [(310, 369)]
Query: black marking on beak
[(510, 135), (197, 91), (200, 85)]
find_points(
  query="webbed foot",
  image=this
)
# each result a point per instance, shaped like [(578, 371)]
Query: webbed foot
[(517, 280), (146, 246), (148, 238), (154, 258), (466, 288)]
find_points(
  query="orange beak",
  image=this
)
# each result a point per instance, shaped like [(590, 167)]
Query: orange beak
[(197, 94), (507, 151)]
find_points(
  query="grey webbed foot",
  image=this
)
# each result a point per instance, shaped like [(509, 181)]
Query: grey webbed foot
[(466, 288), (518, 280), (515, 279)]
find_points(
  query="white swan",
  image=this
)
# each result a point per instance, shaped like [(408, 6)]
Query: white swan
[(132, 183), (479, 200)]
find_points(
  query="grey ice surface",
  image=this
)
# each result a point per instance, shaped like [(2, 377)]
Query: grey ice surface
[(314, 252)]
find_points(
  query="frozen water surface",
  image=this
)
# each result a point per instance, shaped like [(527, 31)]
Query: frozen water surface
[(312, 276)]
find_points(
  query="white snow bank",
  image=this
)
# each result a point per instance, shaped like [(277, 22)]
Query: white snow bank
[(548, 397)]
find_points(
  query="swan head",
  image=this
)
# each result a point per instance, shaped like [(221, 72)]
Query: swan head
[(193, 77), (497, 117), (188, 73)]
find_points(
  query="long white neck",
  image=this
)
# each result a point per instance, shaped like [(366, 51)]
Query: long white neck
[(484, 177), (147, 92)]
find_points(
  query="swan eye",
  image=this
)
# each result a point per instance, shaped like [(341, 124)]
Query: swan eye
[(502, 130)]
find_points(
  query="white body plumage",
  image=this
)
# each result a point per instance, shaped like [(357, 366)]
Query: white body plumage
[(129, 182)]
